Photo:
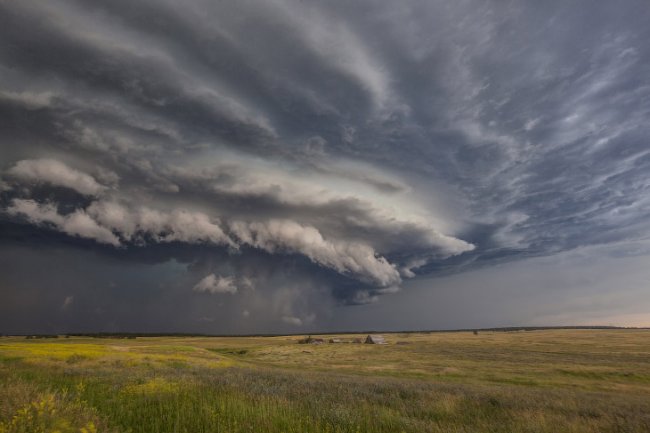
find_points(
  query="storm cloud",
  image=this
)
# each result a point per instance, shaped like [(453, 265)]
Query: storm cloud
[(301, 157)]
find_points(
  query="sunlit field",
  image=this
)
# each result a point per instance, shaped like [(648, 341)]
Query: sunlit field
[(535, 381)]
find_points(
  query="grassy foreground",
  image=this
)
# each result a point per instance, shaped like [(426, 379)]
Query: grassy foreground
[(541, 381)]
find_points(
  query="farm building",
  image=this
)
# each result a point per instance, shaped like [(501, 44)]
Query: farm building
[(311, 340), (375, 339)]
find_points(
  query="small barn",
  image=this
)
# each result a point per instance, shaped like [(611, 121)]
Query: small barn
[(375, 339), (311, 340)]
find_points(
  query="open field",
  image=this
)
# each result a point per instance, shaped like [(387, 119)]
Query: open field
[(541, 381)]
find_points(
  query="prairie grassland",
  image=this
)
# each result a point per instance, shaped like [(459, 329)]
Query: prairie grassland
[(541, 381)]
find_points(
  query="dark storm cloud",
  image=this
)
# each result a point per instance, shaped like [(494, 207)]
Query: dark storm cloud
[(303, 154)]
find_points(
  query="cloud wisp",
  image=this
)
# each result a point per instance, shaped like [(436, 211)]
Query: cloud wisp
[(55, 173)]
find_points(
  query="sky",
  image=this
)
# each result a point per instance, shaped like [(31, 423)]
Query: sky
[(286, 166)]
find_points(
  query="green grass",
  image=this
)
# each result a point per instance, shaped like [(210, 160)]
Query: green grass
[(542, 381)]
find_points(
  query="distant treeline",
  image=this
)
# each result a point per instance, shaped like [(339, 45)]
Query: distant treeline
[(122, 335), (536, 328), (503, 329), (132, 335), (102, 335), (29, 337)]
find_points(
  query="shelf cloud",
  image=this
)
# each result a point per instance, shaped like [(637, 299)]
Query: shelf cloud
[(307, 157)]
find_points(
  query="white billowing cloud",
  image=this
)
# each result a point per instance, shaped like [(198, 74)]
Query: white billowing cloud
[(35, 212), (113, 223), (357, 258), (338, 222), (114, 215), (216, 284), (78, 223), (182, 226), (370, 205), (354, 258), (178, 225), (56, 173)]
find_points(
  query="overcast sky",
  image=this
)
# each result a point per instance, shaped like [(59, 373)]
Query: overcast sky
[(289, 166)]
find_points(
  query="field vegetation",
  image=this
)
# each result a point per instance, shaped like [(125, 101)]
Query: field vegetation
[(541, 381)]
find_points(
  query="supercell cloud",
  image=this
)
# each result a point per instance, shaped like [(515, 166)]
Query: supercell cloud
[(301, 157)]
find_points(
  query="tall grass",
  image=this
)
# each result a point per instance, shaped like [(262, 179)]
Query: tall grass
[(108, 395)]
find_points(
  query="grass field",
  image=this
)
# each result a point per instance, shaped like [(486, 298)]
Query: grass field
[(538, 381)]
